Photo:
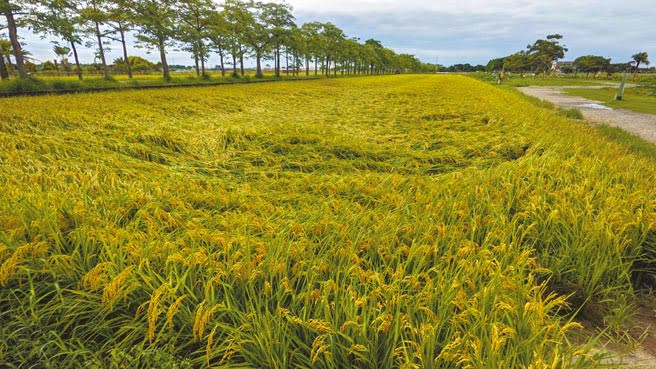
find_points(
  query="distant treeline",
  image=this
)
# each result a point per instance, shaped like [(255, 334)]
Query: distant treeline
[(227, 32), (543, 57)]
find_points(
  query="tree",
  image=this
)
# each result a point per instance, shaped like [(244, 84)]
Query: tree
[(93, 14), (251, 20), (9, 10), (517, 62), (543, 53), (277, 21), (331, 40), (135, 63), (218, 33), (48, 66), (119, 22), (409, 63), (237, 17), (58, 18), (619, 67), (591, 64), (195, 17), (639, 58), (62, 52), (495, 65), (374, 55), (156, 21), (311, 39)]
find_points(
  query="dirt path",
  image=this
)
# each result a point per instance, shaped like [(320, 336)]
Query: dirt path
[(643, 125)]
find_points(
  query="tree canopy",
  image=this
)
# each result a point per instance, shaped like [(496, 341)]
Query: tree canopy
[(233, 29)]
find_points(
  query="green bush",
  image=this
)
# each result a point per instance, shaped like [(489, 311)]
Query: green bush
[(66, 85), (22, 85), (571, 113)]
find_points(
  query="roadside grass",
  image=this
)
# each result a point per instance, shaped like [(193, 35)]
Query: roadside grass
[(638, 99), (631, 142), (517, 80), (96, 82)]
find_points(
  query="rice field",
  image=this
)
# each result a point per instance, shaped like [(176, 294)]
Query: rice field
[(382, 222)]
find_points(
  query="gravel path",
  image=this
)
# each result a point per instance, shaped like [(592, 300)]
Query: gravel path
[(643, 125)]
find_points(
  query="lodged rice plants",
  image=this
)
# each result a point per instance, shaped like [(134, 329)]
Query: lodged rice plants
[(383, 222)]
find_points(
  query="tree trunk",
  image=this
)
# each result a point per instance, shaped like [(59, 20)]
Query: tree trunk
[(221, 63), (307, 66), (278, 61), (316, 66), (234, 65), (258, 70), (125, 51), (196, 64), (4, 74), (102, 52), (165, 66), (296, 65), (201, 50), (635, 73), (286, 62), (77, 61), (15, 44), (241, 60)]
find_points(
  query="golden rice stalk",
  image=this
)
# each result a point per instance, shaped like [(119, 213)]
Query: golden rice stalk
[(210, 342), (320, 325), (4, 249), (319, 346), (97, 276), (153, 310), (115, 289), (8, 268), (198, 327), (385, 323), (357, 348), (173, 309)]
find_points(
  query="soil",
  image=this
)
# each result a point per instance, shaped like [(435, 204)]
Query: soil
[(643, 330)]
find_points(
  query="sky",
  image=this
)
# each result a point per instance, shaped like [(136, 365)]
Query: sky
[(464, 31)]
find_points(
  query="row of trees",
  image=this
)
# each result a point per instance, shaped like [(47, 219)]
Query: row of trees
[(233, 30), (543, 55)]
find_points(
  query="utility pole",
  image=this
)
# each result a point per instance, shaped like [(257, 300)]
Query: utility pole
[(620, 91)]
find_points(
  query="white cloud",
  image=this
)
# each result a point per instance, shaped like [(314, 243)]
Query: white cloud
[(471, 30)]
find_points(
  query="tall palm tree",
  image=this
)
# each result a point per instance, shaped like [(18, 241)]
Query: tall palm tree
[(62, 52), (640, 58)]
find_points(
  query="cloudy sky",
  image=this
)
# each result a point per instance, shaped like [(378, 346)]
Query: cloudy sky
[(469, 31)]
